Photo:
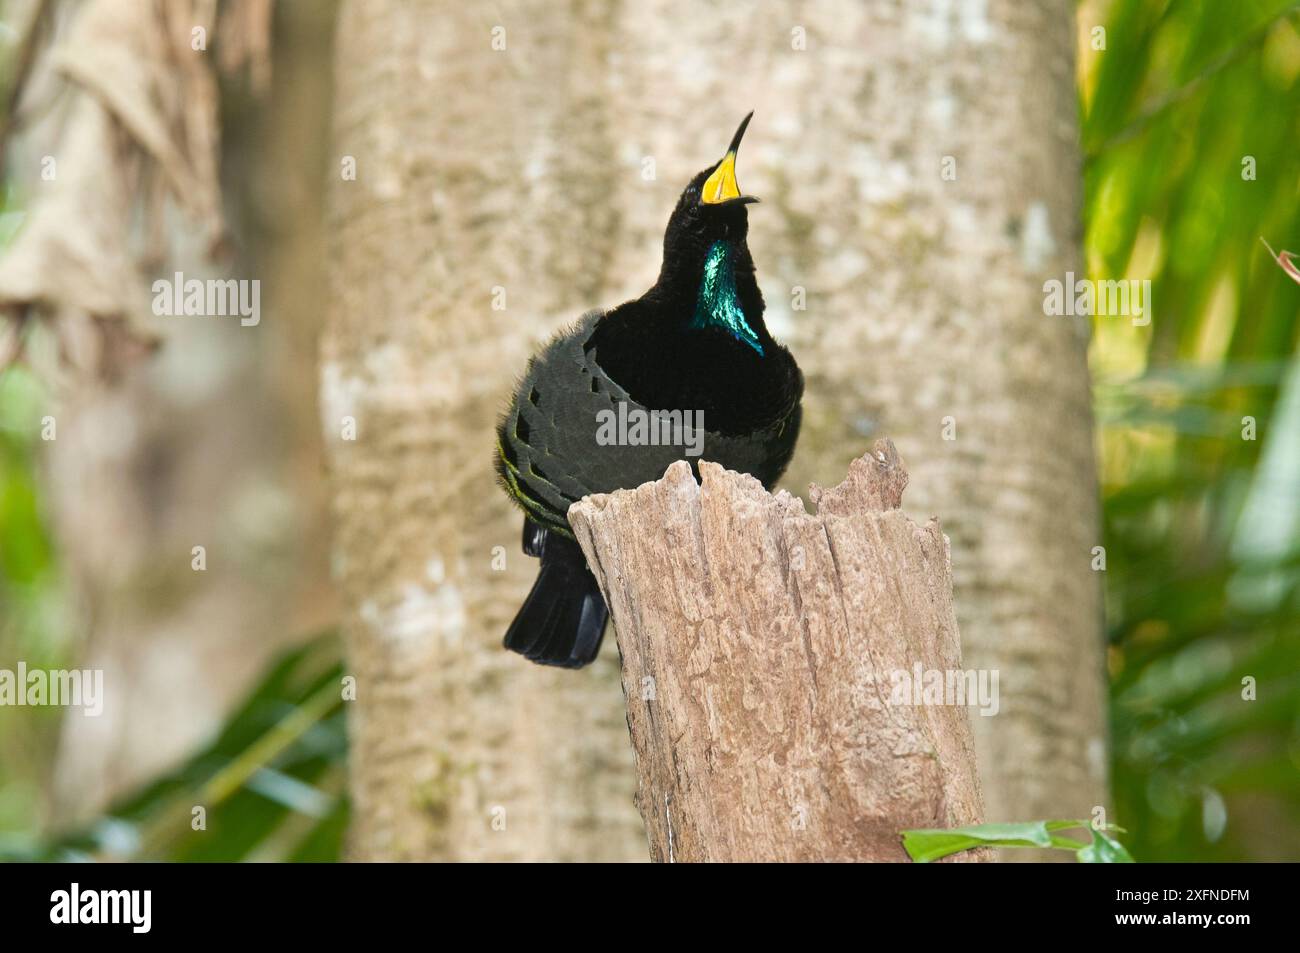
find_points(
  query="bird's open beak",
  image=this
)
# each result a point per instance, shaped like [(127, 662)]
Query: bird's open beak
[(721, 186)]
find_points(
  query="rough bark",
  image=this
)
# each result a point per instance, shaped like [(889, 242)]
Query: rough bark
[(760, 646)]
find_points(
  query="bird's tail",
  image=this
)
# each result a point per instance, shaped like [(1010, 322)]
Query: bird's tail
[(563, 619)]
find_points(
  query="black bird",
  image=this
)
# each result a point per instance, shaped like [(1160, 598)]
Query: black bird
[(694, 343)]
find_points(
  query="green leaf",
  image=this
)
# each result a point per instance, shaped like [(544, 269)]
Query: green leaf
[(1104, 849), (928, 844)]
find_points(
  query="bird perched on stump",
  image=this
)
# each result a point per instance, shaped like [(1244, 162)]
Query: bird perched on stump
[(690, 364)]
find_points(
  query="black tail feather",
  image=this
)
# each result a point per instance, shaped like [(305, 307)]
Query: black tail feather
[(562, 622), (534, 538)]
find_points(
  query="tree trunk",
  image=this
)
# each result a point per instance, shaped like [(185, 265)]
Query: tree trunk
[(910, 297), (907, 296), (925, 321), (460, 750), (762, 653)]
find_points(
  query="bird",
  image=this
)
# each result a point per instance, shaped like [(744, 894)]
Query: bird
[(694, 348)]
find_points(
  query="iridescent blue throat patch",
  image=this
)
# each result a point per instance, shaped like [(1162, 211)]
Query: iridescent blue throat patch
[(719, 305)]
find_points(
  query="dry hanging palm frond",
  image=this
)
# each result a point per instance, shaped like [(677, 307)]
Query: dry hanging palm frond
[(128, 127)]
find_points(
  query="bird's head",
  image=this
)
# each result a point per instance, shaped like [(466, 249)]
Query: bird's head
[(712, 207), (697, 337)]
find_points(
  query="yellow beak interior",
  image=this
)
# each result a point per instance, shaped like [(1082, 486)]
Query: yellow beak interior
[(721, 185)]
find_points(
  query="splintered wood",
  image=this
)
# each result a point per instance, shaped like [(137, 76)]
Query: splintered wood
[(762, 648)]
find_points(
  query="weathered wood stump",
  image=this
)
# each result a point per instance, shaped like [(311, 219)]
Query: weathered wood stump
[(760, 646)]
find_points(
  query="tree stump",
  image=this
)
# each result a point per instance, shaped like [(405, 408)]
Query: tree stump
[(760, 648)]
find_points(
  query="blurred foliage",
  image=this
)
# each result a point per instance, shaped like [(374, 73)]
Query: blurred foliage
[(1201, 525), (271, 785), (32, 601)]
